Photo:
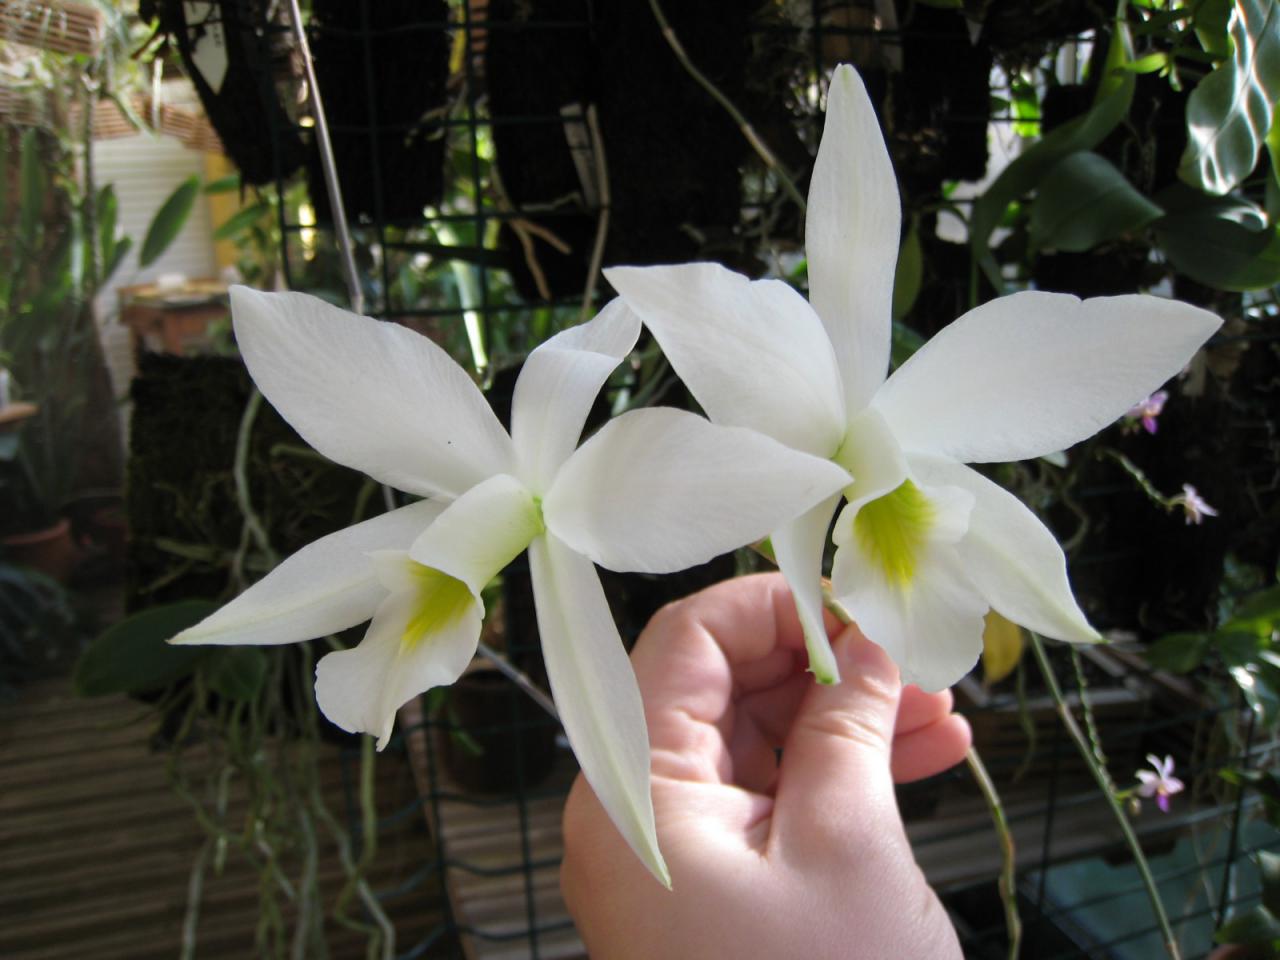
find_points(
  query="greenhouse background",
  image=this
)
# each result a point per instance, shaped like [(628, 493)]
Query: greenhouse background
[(492, 158)]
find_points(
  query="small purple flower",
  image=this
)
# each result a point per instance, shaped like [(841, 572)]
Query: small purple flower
[(1161, 784), (1195, 506), (1147, 411)]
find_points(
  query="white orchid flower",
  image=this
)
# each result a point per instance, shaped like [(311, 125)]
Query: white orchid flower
[(926, 544), (654, 490)]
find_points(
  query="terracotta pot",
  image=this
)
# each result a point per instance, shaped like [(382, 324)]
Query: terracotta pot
[(51, 550)]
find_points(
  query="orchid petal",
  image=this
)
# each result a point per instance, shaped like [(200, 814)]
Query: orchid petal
[(851, 237), (596, 692), (373, 396), (932, 629), (871, 454), (559, 383), (1034, 372), (1011, 557), (480, 532), (726, 335), (798, 546), (325, 587), (361, 689), (659, 490)]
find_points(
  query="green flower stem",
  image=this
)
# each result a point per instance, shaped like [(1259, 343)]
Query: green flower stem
[(1168, 504), (759, 146), (1007, 884), (1101, 776)]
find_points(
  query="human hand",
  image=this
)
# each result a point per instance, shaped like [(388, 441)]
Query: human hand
[(806, 857)]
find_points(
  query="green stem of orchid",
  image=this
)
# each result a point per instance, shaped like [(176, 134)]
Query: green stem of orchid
[(241, 473), (1103, 780), (1168, 504), (1008, 881), (759, 146)]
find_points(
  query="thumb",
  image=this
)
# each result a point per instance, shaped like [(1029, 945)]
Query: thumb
[(835, 777)]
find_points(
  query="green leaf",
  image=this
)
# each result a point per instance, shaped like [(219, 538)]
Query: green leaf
[(1254, 926), (32, 186), (168, 221), (237, 673), (1025, 173), (1269, 873), (1179, 652), (910, 273), (133, 656), (1219, 252), (241, 220), (1263, 605), (1229, 113), (118, 253), (1085, 201), (223, 184), (107, 211), (1210, 22), (905, 342)]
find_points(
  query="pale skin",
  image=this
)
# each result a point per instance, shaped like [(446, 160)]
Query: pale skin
[(803, 858)]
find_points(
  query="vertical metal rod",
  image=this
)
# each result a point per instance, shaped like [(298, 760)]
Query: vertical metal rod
[(354, 291)]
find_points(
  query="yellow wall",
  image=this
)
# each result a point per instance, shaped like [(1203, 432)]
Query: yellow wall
[(222, 206)]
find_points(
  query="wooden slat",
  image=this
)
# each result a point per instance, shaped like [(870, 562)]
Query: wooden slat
[(96, 850), (61, 26)]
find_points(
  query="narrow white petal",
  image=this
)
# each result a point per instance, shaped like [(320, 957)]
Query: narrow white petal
[(374, 396), (596, 692), (361, 689), (932, 628), (754, 354), (325, 587), (1032, 373), (851, 237), (480, 532), (798, 547), (559, 383), (1011, 557), (872, 456), (659, 490)]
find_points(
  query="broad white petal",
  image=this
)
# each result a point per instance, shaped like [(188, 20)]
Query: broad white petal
[(753, 353), (374, 396), (325, 587), (361, 689), (932, 628), (659, 490), (1034, 372), (851, 237), (595, 692), (1011, 557), (480, 532), (872, 456), (798, 546), (557, 386)]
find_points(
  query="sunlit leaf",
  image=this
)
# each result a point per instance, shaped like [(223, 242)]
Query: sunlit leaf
[(1229, 113), (241, 220)]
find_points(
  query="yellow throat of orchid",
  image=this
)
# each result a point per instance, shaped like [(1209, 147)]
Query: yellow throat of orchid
[(438, 601), (893, 528)]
